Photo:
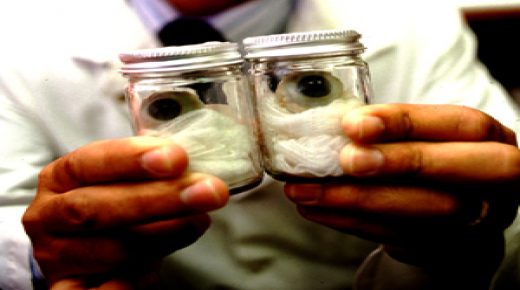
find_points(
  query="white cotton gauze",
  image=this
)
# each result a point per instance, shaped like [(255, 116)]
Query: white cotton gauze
[(306, 143), (215, 143), (315, 155)]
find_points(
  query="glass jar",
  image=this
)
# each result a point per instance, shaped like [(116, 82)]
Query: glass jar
[(304, 83), (198, 96)]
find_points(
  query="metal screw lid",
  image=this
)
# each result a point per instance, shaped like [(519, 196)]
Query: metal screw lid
[(180, 58), (322, 42)]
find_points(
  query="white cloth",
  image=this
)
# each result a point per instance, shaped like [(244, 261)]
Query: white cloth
[(60, 90), (302, 146), (215, 143)]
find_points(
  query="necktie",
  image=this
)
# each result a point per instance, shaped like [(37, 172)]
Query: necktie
[(188, 30)]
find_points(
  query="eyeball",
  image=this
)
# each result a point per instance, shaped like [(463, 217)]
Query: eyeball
[(165, 106), (301, 91)]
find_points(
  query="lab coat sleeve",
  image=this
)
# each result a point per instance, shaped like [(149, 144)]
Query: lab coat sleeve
[(14, 250), (23, 152)]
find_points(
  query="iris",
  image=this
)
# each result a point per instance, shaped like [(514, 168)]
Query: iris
[(314, 86), (164, 109)]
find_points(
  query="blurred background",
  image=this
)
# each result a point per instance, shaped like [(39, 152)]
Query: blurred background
[(497, 26)]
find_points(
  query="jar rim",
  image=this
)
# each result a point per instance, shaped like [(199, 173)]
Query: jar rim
[(180, 58), (319, 42)]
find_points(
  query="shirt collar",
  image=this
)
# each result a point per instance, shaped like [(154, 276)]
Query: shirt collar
[(252, 18)]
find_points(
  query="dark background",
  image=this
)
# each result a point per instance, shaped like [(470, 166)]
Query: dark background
[(498, 32)]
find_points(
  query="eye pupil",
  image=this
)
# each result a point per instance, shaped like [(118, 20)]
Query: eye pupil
[(314, 86), (164, 109)]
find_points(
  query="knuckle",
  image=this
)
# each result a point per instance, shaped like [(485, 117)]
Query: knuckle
[(69, 168), (492, 130), (75, 211), (60, 174), (64, 210), (412, 161), (479, 125), (416, 161), (31, 220), (401, 123), (406, 125), (46, 174)]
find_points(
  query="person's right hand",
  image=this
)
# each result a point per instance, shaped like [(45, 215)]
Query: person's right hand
[(117, 207)]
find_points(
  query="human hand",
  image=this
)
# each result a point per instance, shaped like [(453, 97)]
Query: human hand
[(435, 184), (105, 214)]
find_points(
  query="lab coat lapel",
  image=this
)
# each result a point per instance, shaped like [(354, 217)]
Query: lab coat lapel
[(121, 30)]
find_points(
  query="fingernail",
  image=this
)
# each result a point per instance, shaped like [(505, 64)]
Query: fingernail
[(359, 126), (361, 161), (157, 161), (203, 195), (305, 193)]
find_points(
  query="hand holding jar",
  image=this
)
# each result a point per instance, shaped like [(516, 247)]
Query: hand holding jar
[(431, 183)]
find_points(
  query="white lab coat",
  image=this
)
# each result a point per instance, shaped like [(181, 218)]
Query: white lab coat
[(61, 90)]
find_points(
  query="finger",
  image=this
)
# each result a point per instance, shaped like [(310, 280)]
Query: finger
[(159, 239), (70, 284), (72, 256), (117, 284), (144, 277), (127, 284), (131, 281), (121, 159), (390, 230), (390, 122), (377, 199), (350, 224), (78, 284), (123, 205), (385, 214), (485, 162), (163, 228)]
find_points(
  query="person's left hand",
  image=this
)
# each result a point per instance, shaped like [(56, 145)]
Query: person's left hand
[(435, 184)]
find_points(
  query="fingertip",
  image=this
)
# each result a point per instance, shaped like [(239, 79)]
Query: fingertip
[(165, 161), (220, 189), (361, 161), (207, 194), (358, 125), (304, 193), (350, 124)]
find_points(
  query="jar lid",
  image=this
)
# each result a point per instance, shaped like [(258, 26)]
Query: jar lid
[(180, 58), (322, 42)]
